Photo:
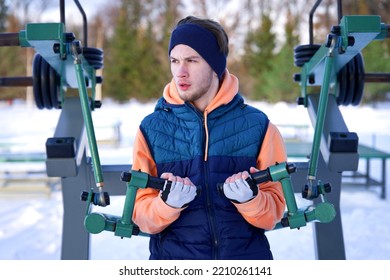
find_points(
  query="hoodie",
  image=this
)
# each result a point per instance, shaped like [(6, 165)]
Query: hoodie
[(200, 158)]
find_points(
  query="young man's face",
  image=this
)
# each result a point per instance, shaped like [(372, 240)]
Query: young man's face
[(196, 82)]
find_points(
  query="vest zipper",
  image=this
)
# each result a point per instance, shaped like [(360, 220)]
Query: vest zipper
[(211, 217), (206, 130), (209, 204)]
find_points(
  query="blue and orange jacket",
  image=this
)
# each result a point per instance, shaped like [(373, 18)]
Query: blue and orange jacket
[(228, 137)]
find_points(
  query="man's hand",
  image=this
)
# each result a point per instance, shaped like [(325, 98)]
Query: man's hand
[(240, 187), (179, 193)]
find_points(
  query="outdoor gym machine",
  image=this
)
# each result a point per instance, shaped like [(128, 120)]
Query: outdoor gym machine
[(62, 62), (337, 67)]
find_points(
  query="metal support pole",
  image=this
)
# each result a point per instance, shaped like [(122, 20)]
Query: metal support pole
[(75, 240), (9, 39), (328, 238), (383, 183), (319, 125), (16, 81), (86, 109)]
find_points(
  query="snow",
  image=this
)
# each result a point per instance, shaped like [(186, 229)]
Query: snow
[(31, 217)]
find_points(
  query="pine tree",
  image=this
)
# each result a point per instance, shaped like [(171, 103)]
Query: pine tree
[(277, 83), (135, 63)]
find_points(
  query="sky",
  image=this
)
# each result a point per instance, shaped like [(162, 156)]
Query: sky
[(90, 7), (51, 10)]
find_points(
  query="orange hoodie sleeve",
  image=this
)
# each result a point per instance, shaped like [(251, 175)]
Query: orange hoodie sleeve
[(150, 213), (268, 207)]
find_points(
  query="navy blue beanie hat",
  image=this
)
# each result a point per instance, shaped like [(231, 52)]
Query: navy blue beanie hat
[(202, 41)]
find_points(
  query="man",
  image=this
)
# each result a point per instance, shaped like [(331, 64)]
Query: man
[(203, 134)]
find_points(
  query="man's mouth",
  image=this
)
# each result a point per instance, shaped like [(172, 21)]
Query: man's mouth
[(183, 85)]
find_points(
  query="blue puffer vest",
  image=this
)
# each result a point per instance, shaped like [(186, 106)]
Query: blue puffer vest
[(210, 227)]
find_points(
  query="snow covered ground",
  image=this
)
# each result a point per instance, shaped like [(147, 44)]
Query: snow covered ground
[(31, 222)]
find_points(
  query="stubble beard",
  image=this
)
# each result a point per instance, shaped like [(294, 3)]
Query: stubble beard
[(195, 94)]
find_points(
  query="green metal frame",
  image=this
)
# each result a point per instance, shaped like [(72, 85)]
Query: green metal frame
[(122, 226), (356, 32), (65, 56), (323, 212), (51, 42), (86, 109)]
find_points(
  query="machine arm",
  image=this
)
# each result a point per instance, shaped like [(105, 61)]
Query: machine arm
[(294, 217), (123, 226)]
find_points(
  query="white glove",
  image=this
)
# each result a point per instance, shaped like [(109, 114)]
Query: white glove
[(177, 194), (241, 190)]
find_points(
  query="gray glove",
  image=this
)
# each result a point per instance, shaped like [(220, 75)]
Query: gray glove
[(241, 190), (178, 195)]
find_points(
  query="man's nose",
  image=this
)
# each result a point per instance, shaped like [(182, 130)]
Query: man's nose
[(182, 70)]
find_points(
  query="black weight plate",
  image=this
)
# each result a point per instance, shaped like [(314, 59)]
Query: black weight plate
[(89, 56), (303, 58), (359, 80), (309, 53), (342, 88), (45, 85), (350, 82), (301, 61), (97, 64), (311, 47), (304, 53), (92, 60), (54, 81), (87, 50), (37, 81)]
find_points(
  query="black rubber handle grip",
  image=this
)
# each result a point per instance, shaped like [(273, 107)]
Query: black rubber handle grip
[(261, 176), (154, 182)]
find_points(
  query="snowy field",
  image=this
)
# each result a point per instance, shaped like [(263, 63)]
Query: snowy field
[(31, 218)]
